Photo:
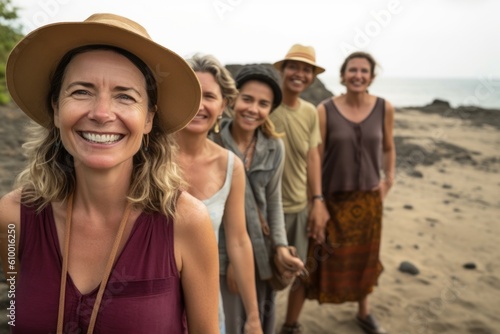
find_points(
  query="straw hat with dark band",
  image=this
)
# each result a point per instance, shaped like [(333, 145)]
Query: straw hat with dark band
[(34, 59), (305, 54)]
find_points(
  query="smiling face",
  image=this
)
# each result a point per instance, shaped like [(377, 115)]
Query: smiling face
[(297, 76), (357, 75), (252, 106), (212, 104), (102, 110)]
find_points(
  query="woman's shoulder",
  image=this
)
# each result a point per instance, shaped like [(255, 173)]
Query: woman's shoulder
[(10, 205), (190, 210), (337, 98), (217, 151), (218, 154), (388, 107), (327, 100), (193, 230)]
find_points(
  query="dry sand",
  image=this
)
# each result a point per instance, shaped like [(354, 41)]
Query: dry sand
[(442, 213)]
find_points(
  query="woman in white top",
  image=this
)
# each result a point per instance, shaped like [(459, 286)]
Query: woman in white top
[(205, 166)]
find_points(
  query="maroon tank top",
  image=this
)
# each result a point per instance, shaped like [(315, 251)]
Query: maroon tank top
[(352, 157), (143, 295)]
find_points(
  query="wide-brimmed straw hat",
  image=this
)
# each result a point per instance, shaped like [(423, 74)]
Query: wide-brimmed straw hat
[(301, 53), (262, 73), (33, 60)]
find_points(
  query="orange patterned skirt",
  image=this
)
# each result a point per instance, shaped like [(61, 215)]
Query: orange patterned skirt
[(347, 266)]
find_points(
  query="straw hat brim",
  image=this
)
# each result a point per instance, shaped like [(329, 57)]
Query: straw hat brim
[(34, 59), (317, 69)]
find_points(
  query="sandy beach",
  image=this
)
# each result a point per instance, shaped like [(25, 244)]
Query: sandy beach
[(441, 216)]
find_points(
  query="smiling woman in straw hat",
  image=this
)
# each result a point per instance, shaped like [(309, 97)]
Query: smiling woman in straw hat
[(303, 205), (98, 218)]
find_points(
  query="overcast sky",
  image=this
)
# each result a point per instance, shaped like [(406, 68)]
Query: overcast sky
[(409, 38)]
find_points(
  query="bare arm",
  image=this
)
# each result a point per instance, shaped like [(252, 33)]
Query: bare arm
[(10, 228), (389, 160), (293, 265), (239, 247), (318, 216), (197, 261)]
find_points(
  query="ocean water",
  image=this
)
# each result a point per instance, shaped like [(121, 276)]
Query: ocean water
[(482, 92)]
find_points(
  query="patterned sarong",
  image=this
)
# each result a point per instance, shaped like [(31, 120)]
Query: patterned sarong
[(347, 266)]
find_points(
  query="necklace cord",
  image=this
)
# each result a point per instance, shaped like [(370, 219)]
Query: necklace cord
[(247, 149), (62, 291), (107, 271)]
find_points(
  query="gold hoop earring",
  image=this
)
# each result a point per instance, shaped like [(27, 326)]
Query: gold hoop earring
[(217, 124)]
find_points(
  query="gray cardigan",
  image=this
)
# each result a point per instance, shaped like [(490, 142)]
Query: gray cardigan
[(265, 175)]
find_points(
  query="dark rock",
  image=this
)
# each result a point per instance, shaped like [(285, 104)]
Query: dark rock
[(470, 265), (409, 268), (440, 103), (408, 207), (416, 173), (475, 116), (447, 186)]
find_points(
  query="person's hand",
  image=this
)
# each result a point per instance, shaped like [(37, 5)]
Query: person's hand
[(231, 279), (287, 264), (316, 223), (253, 325), (384, 186)]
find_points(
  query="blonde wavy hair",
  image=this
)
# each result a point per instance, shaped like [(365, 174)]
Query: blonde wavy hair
[(210, 64), (156, 180)]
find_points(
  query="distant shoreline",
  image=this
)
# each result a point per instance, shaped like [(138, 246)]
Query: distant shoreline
[(479, 92)]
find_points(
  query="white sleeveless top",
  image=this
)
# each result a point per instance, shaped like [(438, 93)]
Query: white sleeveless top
[(217, 202)]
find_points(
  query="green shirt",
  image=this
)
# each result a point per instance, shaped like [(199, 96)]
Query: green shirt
[(301, 128)]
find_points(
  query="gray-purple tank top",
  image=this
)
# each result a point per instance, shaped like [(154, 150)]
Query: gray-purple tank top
[(352, 158)]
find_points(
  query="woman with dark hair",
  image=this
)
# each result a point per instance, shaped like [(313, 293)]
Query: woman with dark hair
[(358, 157), (250, 134)]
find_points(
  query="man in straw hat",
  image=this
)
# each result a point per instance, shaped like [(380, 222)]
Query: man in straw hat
[(303, 204), (101, 234)]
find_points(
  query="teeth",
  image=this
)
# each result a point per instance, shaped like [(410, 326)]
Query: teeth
[(250, 118), (97, 138)]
